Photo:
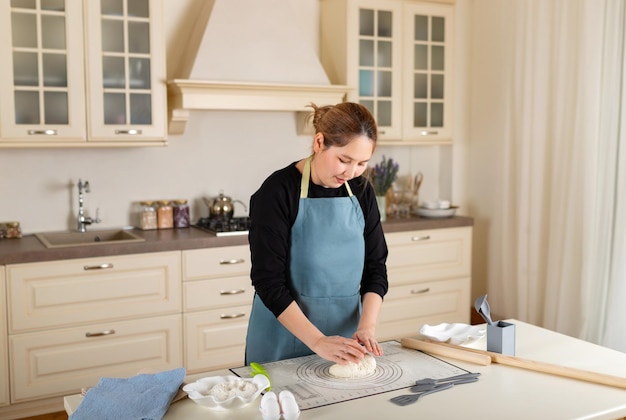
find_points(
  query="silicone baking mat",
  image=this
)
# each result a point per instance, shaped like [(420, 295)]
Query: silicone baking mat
[(308, 377)]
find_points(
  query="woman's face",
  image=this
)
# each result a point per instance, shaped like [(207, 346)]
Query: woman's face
[(333, 166)]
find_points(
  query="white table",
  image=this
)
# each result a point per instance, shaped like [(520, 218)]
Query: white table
[(503, 392)]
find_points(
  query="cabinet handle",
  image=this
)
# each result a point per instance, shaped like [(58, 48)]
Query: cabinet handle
[(100, 333), (40, 132), (233, 261), (232, 292), (420, 238), (132, 132), (231, 316), (421, 291), (428, 133), (98, 267)]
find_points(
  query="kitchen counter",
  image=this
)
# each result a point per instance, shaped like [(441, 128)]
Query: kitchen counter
[(30, 249), (502, 392)]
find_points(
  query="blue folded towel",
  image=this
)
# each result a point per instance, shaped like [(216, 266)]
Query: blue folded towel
[(142, 397)]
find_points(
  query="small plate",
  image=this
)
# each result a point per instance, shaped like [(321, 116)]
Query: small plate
[(436, 213), (457, 334), (199, 391)]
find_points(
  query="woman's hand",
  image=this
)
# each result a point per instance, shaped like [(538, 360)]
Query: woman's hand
[(340, 350), (366, 336), (366, 331)]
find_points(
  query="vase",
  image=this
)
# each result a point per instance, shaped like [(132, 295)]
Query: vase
[(381, 200)]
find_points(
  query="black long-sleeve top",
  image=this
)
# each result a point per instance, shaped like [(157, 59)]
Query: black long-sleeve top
[(273, 211)]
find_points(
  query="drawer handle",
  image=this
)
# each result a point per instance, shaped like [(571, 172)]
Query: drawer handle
[(232, 316), (428, 133), (232, 292), (420, 238), (132, 132), (421, 291), (233, 261), (98, 267), (48, 132), (100, 333)]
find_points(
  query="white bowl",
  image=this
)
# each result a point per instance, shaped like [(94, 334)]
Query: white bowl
[(199, 391), (436, 213), (457, 334)]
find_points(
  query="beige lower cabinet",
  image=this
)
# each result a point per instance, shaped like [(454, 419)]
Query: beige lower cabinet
[(4, 361), (429, 280), (71, 322), (62, 361), (217, 298), (68, 323)]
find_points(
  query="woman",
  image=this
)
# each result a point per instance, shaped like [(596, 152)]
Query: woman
[(318, 250)]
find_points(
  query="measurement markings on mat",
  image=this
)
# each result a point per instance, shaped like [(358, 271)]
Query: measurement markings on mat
[(308, 377)]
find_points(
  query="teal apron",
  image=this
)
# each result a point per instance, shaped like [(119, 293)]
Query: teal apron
[(326, 264)]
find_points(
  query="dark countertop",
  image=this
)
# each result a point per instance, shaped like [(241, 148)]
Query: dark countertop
[(30, 249)]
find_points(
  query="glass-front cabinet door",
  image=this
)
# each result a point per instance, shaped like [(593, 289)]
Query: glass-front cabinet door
[(126, 74), (360, 46), (428, 73), (82, 72), (379, 64), (42, 76)]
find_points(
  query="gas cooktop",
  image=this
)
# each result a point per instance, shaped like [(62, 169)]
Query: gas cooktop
[(224, 227)]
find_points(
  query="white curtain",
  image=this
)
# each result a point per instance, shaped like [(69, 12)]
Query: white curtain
[(606, 269), (546, 189)]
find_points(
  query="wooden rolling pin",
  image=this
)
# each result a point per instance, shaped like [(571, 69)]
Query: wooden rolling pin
[(454, 353), (460, 353)]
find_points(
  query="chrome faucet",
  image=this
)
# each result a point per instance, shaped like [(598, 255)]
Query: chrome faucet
[(83, 221)]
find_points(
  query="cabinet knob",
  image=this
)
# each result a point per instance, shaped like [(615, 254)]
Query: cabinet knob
[(421, 291), (420, 238)]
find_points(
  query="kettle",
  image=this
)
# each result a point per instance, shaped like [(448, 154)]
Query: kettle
[(223, 207)]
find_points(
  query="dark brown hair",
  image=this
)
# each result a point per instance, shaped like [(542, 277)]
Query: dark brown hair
[(340, 123)]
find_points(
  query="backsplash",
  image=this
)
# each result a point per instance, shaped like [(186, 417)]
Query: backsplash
[(229, 151)]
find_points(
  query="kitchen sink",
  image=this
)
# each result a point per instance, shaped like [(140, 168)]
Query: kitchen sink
[(96, 237)]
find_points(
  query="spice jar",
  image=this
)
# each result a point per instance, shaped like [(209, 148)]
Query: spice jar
[(181, 214), (165, 215), (12, 230), (148, 219)]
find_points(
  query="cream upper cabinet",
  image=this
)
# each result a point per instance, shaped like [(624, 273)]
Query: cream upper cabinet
[(428, 64), (360, 46), (4, 361), (82, 73), (396, 57), (126, 62), (42, 79)]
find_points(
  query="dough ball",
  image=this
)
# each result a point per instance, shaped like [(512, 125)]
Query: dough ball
[(365, 367)]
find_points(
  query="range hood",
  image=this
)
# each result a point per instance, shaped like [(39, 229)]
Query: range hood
[(249, 55)]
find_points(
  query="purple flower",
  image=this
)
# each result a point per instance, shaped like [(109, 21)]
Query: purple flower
[(383, 175)]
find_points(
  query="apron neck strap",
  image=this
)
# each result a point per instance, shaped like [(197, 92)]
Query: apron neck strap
[(306, 175)]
